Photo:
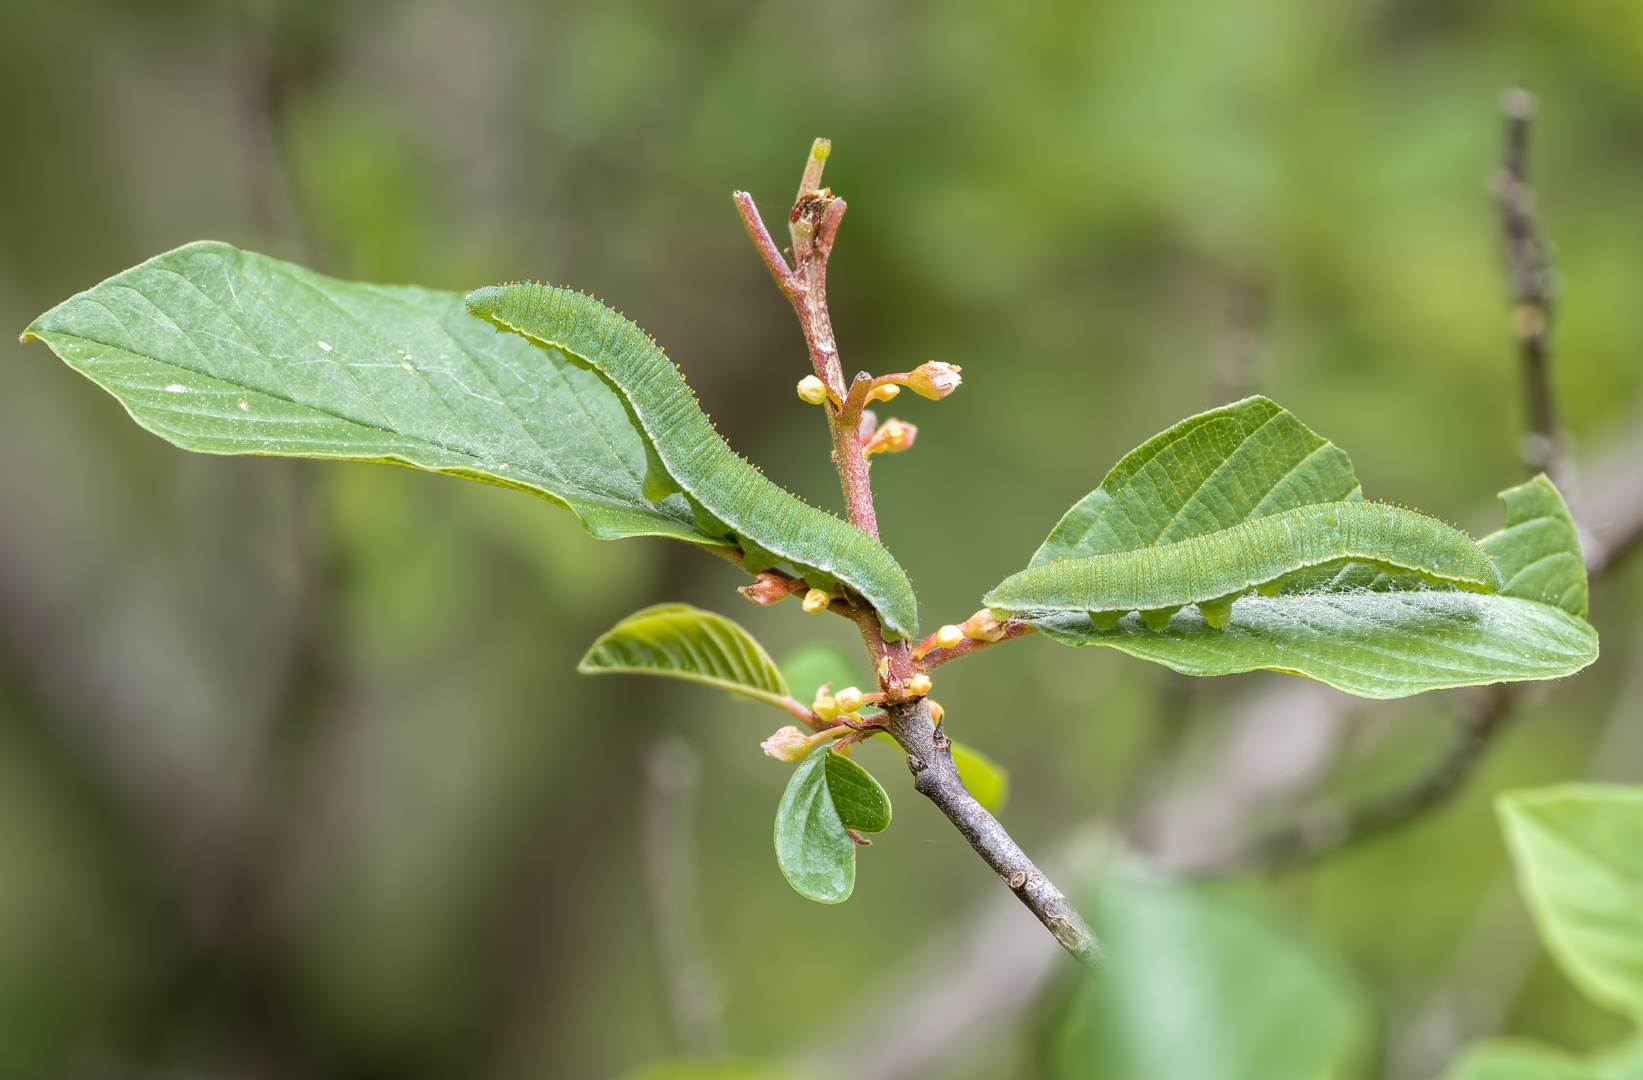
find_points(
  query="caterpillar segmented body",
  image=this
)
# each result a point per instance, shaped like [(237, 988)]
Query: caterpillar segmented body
[(684, 452), (1214, 569)]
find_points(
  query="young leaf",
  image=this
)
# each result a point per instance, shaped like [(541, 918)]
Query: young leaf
[(229, 352), (985, 778), (1518, 1059), (1538, 552), (1579, 855), (860, 801), (816, 855), (1209, 472), (1200, 984), (687, 643)]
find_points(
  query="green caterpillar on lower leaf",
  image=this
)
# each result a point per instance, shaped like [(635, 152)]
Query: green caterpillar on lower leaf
[(685, 454), (1215, 569)]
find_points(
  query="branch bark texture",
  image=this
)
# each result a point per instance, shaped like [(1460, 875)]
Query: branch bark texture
[(935, 776)]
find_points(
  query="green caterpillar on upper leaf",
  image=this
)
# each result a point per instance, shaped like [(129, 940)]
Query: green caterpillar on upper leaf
[(1216, 568), (685, 454)]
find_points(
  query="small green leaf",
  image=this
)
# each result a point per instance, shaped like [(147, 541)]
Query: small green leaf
[(1202, 984), (1538, 552), (1372, 644), (1517, 1059), (817, 663), (684, 642), (230, 352), (1209, 472), (1579, 855), (860, 801), (816, 855), (986, 779)]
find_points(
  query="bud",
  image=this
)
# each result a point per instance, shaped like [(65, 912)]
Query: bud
[(918, 685), (934, 380), (869, 424), (848, 700), (824, 707), (812, 390), (983, 627), (892, 437), (884, 393), (788, 744), (816, 600), (769, 588), (936, 711), (948, 636)]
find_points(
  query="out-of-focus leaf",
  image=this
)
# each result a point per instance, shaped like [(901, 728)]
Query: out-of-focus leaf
[(1579, 855), (230, 352), (1538, 551), (1209, 472), (1517, 1059), (816, 664), (1373, 644), (685, 642), (816, 855), (986, 779), (1201, 986), (860, 801), (1622, 1062)]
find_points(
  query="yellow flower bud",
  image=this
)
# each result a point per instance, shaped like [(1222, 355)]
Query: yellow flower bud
[(816, 600), (824, 707), (934, 380), (884, 393), (788, 744), (948, 636), (936, 711), (918, 685), (812, 390), (848, 700), (891, 437), (983, 627)]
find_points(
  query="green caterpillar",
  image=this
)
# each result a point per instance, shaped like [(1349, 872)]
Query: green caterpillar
[(685, 454), (1215, 569)]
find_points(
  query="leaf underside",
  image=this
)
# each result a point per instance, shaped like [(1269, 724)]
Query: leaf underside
[(1366, 632), (225, 351), (685, 642)]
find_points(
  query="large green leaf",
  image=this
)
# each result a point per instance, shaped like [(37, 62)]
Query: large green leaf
[(1517, 1059), (1209, 472), (1372, 644), (229, 352), (684, 642), (1203, 986), (816, 855), (1579, 855), (1538, 550), (1365, 632)]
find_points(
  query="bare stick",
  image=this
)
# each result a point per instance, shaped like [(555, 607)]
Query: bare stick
[(930, 760), (813, 224), (1531, 284)]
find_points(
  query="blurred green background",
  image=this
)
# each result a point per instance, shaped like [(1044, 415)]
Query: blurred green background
[(296, 777)]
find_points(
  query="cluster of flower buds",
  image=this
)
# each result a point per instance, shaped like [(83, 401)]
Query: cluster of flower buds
[(891, 437)]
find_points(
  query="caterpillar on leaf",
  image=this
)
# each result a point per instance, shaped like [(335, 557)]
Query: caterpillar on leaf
[(684, 453), (1216, 568)]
